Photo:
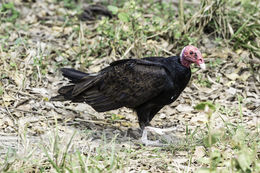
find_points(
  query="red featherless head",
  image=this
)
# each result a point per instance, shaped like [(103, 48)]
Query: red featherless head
[(191, 54)]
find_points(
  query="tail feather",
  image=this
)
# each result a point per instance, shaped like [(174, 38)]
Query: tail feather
[(72, 74), (81, 82), (65, 93), (66, 89), (58, 98), (87, 83)]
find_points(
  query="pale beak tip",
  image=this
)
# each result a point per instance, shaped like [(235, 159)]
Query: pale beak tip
[(203, 66)]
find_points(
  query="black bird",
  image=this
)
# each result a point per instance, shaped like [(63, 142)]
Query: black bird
[(145, 85)]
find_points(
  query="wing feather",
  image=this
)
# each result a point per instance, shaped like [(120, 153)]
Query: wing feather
[(128, 83), (133, 82), (84, 85)]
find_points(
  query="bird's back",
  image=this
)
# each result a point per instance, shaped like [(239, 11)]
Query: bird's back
[(178, 77), (128, 83)]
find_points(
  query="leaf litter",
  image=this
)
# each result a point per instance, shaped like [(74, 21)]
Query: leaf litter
[(29, 77)]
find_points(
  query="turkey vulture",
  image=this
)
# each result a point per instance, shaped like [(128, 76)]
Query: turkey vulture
[(145, 85)]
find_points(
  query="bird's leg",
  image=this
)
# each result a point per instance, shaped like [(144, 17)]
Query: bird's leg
[(159, 131), (145, 140)]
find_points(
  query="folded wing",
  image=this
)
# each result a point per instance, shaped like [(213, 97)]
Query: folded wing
[(128, 83)]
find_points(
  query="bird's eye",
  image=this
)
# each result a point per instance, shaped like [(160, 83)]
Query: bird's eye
[(191, 53)]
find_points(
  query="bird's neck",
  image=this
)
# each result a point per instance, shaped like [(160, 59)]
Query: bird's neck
[(185, 62)]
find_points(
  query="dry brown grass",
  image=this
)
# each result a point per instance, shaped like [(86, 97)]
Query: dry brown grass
[(41, 136)]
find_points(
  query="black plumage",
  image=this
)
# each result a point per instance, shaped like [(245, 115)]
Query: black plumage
[(145, 85)]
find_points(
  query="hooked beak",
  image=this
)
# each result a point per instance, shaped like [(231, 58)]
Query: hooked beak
[(202, 66)]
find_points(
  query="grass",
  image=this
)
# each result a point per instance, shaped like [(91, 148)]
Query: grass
[(233, 148), (237, 29), (227, 141), (244, 146), (57, 157)]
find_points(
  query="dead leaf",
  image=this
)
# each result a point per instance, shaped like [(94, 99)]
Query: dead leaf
[(41, 91), (199, 152), (231, 91), (245, 76), (19, 79), (232, 76), (200, 118), (184, 108)]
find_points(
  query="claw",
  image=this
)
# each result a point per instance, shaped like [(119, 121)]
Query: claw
[(159, 131)]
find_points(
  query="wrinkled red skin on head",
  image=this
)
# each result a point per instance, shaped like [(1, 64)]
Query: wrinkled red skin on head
[(191, 54)]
